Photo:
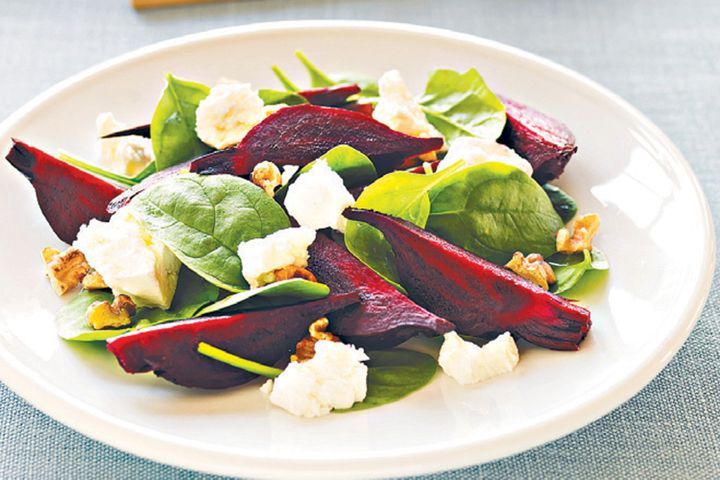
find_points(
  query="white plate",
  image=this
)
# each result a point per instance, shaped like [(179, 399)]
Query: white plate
[(656, 230)]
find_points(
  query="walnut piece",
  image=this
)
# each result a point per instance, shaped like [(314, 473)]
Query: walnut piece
[(533, 268), (305, 348), (293, 271), (267, 176), (584, 229), (65, 270), (93, 281), (102, 315)]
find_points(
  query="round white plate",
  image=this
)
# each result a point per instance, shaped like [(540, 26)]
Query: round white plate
[(656, 230)]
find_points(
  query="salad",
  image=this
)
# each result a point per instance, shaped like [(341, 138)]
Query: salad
[(303, 234)]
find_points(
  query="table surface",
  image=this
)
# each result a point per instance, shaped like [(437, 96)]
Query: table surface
[(663, 56)]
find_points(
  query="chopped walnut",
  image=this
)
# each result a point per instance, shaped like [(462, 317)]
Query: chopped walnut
[(293, 271), (93, 281), (65, 270), (584, 229), (102, 315), (305, 348), (533, 268), (267, 176)]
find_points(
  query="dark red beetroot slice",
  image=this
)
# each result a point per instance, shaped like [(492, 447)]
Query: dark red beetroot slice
[(364, 108), (265, 336), (68, 197), (384, 317), (543, 141), (140, 130), (300, 134), (479, 297), (330, 96)]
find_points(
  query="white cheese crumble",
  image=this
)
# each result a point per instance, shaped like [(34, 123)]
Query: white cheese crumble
[(468, 363), (397, 109), (287, 173), (474, 151), (317, 198), (334, 378), (262, 256), (127, 155), (129, 260), (227, 114)]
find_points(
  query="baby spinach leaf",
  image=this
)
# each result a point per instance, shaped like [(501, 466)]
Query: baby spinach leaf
[(203, 219), (172, 128), (494, 210), (569, 269), (563, 203), (275, 97), (393, 375), (400, 194), (318, 78), (277, 294), (368, 86), (461, 104), (192, 294)]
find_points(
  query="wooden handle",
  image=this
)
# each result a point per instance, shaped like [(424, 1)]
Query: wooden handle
[(140, 4)]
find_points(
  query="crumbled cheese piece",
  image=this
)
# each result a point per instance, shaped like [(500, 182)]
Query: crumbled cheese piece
[(318, 197), (397, 109), (227, 114), (266, 388), (334, 378), (262, 256), (127, 155), (474, 151), (287, 173), (468, 363), (130, 260)]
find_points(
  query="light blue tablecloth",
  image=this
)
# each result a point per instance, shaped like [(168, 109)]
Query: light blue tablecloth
[(663, 56)]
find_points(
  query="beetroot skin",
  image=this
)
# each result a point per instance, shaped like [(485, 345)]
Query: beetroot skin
[(479, 297), (300, 134), (543, 141), (384, 317), (265, 336), (334, 96), (68, 197)]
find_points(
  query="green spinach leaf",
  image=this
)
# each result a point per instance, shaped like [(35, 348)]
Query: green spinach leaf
[(318, 78), (461, 104), (569, 269), (71, 319), (393, 375), (275, 97), (285, 80), (277, 294), (203, 219), (494, 210), (172, 128), (563, 203)]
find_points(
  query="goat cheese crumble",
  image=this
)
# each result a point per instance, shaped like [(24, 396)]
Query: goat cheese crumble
[(474, 151), (316, 199), (468, 363), (398, 110), (227, 114), (262, 256), (334, 378), (130, 260), (127, 155)]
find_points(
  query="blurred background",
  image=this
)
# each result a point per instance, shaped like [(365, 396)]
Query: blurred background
[(661, 55)]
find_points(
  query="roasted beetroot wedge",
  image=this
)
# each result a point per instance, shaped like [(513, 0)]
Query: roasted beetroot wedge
[(298, 135), (68, 197), (543, 141), (265, 336), (384, 317), (330, 96), (479, 297)]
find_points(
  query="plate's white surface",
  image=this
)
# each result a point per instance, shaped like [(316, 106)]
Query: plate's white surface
[(656, 230)]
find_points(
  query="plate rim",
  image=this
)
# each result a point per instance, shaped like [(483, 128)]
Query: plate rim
[(101, 426)]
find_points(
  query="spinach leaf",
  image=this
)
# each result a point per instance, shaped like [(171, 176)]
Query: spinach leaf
[(172, 128), (569, 269), (400, 194), (563, 203), (203, 219), (192, 294), (461, 104), (393, 375), (318, 78), (368, 86), (277, 294), (494, 210), (274, 97)]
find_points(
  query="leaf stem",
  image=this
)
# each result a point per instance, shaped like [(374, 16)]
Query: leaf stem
[(237, 362)]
